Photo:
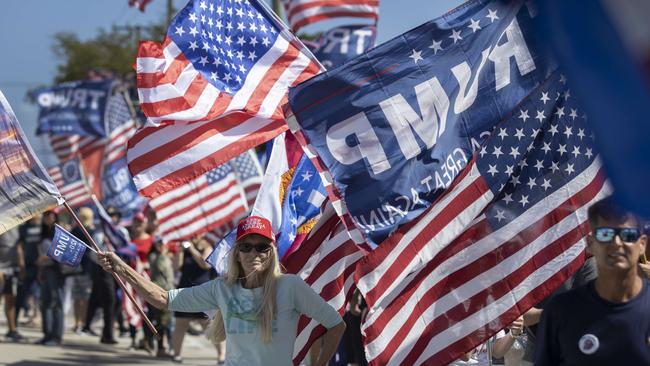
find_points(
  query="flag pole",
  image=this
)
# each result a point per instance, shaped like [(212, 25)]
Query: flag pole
[(115, 276)]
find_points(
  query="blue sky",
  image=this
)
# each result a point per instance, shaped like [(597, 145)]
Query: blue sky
[(27, 28)]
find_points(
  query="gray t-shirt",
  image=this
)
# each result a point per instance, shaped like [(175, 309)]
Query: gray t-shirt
[(238, 305), (8, 242)]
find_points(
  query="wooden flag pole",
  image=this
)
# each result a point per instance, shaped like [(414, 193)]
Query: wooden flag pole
[(115, 276)]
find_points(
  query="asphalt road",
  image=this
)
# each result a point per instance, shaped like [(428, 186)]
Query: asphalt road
[(86, 350)]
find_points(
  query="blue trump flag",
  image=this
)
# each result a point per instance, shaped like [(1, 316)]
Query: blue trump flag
[(392, 128), (66, 248), (604, 49), (73, 108), (341, 44)]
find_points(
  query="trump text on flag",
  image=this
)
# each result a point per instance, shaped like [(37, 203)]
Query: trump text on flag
[(410, 113)]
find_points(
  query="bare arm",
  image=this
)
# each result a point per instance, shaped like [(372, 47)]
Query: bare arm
[(200, 256), (331, 341), (532, 316), (503, 344), (177, 261), (20, 256), (150, 292)]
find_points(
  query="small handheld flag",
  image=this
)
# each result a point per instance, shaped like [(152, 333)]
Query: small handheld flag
[(66, 248)]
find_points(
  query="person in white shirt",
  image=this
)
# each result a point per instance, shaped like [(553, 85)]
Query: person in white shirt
[(259, 306), (499, 346)]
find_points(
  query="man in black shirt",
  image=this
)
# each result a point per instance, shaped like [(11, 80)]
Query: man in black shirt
[(29, 240), (605, 322)]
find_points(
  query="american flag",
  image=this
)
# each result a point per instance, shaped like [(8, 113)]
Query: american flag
[(69, 178), (508, 231), (326, 261), (140, 4), (115, 236), (130, 311), (249, 174), (66, 147), (303, 12), (212, 200), (120, 125), (212, 90), (217, 234)]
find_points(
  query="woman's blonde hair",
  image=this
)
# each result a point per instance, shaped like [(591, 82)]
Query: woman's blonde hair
[(267, 311)]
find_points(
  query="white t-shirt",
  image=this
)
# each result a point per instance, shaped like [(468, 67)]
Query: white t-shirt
[(479, 355), (238, 305)]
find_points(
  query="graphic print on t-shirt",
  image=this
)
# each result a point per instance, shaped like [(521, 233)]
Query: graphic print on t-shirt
[(242, 315)]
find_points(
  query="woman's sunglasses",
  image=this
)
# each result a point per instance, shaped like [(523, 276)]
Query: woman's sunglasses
[(260, 248), (627, 234)]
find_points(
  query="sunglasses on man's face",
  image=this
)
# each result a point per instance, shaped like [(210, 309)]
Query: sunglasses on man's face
[(607, 234), (260, 248)]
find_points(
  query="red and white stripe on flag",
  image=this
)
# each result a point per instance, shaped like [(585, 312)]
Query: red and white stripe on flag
[(197, 116), (213, 200), (445, 282), (75, 192), (249, 174), (304, 12), (216, 235), (130, 311), (326, 261), (121, 127), (66, 147)]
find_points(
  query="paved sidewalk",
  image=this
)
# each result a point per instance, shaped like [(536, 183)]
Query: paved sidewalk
[(86, 350)]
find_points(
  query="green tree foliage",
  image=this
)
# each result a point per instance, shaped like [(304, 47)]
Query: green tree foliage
[(113, 50)]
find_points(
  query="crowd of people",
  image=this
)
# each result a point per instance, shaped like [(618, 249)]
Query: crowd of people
[(598, 314), (34, 284)]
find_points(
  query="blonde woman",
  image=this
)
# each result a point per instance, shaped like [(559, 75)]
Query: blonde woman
[(259, 305)]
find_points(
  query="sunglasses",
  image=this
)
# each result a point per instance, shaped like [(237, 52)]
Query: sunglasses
[(260, 248), (627, 234)]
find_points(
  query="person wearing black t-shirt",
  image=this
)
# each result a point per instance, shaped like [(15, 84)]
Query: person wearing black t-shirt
[(606, 321)]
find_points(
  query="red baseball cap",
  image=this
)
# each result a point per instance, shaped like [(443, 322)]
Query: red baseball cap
[(255, 225)]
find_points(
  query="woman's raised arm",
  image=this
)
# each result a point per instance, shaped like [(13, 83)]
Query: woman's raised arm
[(149, 291)]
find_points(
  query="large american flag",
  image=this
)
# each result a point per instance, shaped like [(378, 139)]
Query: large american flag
[(212, 90), (69, 178), (508, 231), (207, 203), (303, 12), (326, 261), (249, 174)]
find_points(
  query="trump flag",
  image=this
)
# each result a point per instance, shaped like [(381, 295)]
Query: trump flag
[(66, 248), (391, 129)]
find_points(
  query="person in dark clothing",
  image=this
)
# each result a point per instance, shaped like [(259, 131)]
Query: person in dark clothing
[(29, 240), (162, 274), (586, 273), (606, 321), (190, 260), (9, 278), (52, 281), (102, 294)]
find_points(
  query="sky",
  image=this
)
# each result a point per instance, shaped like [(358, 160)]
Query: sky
[(27, 28)]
